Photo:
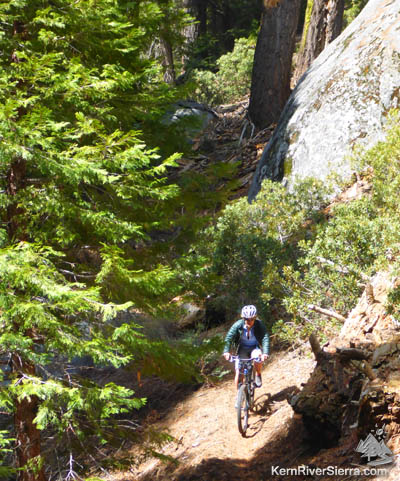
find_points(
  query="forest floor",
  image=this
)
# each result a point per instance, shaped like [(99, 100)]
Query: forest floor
[(231, 139), (208, 445)]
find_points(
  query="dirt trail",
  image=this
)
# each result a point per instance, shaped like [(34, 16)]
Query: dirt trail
[(210, 446)]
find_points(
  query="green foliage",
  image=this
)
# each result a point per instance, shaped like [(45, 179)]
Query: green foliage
[(5, 449), (340, 246), (283, 253), (177, 360), (232, 80), (83, 188), (45, 317), (352, 9), (251, 243)]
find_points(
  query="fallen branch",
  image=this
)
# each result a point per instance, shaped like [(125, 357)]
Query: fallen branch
[(319, 353), (347, 353), (326, 312), (343, 353), (76, 275)]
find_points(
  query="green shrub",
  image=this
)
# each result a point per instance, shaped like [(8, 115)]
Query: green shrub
[(352, 9), (232, 80), (282, 252), (358, 240), (251, 243)]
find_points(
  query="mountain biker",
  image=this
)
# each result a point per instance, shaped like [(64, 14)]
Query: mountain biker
[(250, 339)]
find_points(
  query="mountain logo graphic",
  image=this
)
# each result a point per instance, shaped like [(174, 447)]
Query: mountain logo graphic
[(374, 449)]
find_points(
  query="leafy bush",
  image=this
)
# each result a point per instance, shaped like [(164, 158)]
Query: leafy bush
[(352, 9), (251, 243), (232, 80)]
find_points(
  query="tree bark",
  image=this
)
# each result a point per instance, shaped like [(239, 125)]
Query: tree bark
[(191, 32), (28, 442), (168, 62), (270, 85), (325, 25), (201, 15)]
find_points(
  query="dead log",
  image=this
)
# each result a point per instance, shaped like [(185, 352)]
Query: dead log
[(326, 312), (355, 386), (369, 293), (332, 394), (366, 369), (319, 353), (349, 353), (343, 353)]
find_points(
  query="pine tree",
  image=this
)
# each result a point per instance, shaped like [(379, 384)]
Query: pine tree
[(79, 188)]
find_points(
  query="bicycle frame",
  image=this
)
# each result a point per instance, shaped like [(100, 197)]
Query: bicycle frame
[(245, 399)]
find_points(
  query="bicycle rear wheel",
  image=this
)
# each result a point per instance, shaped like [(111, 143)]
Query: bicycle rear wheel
[(242, 410)]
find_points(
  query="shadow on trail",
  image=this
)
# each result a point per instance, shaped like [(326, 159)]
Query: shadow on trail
[(264, 406), (161, 396), (286, 449)]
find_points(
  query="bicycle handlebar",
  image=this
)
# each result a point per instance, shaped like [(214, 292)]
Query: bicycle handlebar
[(234, 358)]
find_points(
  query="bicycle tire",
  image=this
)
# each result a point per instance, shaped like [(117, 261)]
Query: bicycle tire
[(242, 409)]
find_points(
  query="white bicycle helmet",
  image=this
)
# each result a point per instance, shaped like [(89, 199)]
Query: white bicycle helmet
[(249, 311)]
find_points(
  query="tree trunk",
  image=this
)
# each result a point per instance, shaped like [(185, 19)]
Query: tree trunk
[(270, 85), (191, 32), (202, 6), (220, 23), (325, 25), (28, 443), (168, 62)]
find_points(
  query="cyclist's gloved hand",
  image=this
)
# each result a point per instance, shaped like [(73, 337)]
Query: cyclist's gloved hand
[(227, 355)]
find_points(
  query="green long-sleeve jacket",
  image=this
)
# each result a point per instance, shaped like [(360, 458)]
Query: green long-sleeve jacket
[(235, 333)]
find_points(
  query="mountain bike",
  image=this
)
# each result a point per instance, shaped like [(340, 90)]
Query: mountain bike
[(245, 395)]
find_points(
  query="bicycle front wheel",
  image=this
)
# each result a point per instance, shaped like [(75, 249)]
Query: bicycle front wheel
[(251, 392), (242, 410)]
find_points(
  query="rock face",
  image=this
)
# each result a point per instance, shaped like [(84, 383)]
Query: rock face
[(341, 100)]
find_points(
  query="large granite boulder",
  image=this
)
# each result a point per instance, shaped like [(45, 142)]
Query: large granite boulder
[(342, 99)]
